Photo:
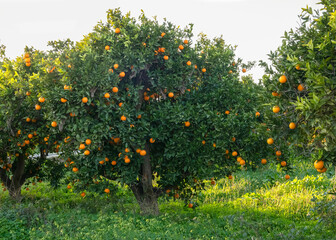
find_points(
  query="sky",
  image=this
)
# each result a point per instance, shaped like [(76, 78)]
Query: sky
[(255, 26)]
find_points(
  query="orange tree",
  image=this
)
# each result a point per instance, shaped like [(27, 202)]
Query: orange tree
[(301, 86), (141, 105), (25, 136)]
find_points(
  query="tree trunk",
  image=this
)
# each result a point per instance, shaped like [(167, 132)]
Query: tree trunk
[(15, 192), (17, 180), (144, 191)]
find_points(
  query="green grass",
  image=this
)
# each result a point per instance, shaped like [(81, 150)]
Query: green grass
[(255, 205)]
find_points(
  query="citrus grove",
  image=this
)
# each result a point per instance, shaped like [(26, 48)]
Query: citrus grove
[(141, 103)]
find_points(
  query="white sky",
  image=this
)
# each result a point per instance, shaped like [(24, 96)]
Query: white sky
[(256, 26)]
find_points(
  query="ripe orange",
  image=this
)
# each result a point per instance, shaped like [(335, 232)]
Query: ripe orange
[(37, 107), (230, 71), (300, 87), (123, 118), (203, 142), (230, 177), (287, 177), (143, 152), (165, 57), (170, 94), (28, 64), (86, 152), (106, 95), (26, 142), (292, 125), (162, 34), (322, 170), (283, 79), (28, 93), (276, 109), (116, 140), (68, 187), (188, 63), (111, 70), (114, 163), (242, 162), (107, 190), (244, 70), (283, 163), (138, 150), (127, 150), (75, 169), (28, 119), (115, 89), (54, 124), (26, 55), (115, 66), (195, 66), (278, 153), (190, 205), (30, 135), (81, 146), (234, 153), (127, 159), (139, 116), (107, 48), (214, 145), (63, 100), (41, 99), (152, 140), (203, 70), (181, 47), (187, 123), (83, 194), (186, 41), (122, 74), (227, 112), (101, 162), (319, 164), (297, 67), (263, 161), (87, 141), (270, 141), (275, 94), (85, 99), (257, 114), (117, 30)]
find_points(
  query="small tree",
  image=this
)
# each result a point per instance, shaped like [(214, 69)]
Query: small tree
[(301, 82)]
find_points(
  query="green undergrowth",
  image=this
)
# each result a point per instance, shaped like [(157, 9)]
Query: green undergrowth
[(254, 205)]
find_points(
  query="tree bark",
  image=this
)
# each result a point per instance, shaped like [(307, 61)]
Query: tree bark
[(143, 191), (15, 184)]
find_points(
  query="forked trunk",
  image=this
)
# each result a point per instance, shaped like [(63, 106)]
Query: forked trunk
[(144, 191)]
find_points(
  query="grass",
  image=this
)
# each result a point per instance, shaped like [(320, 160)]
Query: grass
[(255, 205)]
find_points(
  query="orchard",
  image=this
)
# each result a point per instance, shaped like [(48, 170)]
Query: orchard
[(146, 106)]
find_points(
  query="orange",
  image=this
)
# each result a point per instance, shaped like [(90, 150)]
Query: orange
[(120, 104), (263, 161), (28, 93), (122, 74), (75, 169), (190, 205), (275, 94), (300, 87), (41, 99), (234, 153), (176, 195), (37, 107), (85, 99), (276, 109), (111, 70), (278, 153), (107, 48), (152, 140), (165, 57), (81, 146), (138, 150), (283, 79), (187, 124), (297, 67), (242, 162), (115, 89), (214, 145), (27, 60), (292, 125), (115, 66), (270, 141), (203, 70), (230, 71), (283, 163), (143, 152), (28, 119), (230, 177), (123, 118), (162, 34), (86, 152), (322, 170), (287, 177), (83, 194), (239, 159), (203, 142), (139, 116), (114, 163), (181, 47), (106, 95), (117, 30), (127, 150), (244, 70), (101, 162), (30, 135), (186, 41), (170, 94), (213, 182), (257, 114), (63, 100), (26, 55), (69, 66), (87, 141), (227, 112), (54, 124), (319, 164), (68, 187), (127, 160), (28, 64), (27, 142), (116, 140), (188, 63), (106, 159), (107, 190)]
